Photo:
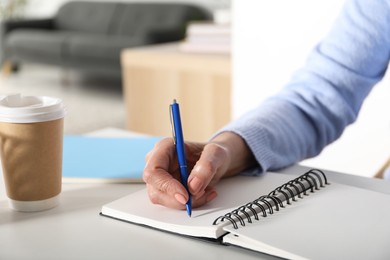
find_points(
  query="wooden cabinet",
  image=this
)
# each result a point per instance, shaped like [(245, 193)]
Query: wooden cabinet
[(154, 76)]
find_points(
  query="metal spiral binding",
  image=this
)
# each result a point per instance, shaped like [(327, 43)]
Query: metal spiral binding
[(314, 180)]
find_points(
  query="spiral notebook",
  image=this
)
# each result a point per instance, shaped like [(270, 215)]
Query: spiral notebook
[(308, 217)]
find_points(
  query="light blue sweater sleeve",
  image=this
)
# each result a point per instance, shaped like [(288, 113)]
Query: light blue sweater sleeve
[(324, 96)]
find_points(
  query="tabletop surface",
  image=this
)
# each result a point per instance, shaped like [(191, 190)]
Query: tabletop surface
[(75, 230)]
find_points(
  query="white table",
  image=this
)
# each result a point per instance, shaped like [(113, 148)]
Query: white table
[(74, 229)]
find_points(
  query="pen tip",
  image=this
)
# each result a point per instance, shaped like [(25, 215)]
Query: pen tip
[(189, 211)]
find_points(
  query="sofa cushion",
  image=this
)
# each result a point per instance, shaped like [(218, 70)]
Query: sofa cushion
[(35, 45), (93, 17), (142, 18), (99, 47)]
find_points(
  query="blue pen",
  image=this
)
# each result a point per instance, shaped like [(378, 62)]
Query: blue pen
[(181, 155)]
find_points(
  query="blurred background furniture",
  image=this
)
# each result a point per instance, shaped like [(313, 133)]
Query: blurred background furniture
[(154, 76), (90, 35)]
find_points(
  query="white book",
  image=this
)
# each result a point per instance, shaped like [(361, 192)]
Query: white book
[(334, 222), (210, 39), (206, 28), (212, 48)]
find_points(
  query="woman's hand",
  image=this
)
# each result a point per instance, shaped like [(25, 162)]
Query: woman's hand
[(227, 154)]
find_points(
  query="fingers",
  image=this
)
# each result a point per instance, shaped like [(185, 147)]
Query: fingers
[(158, 197), (208, 169), (162, 176), (208, 195), (157, 176), (160, 156), (160, 183)]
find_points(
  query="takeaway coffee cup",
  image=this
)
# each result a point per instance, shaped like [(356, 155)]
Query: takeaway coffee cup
[(31, 137)]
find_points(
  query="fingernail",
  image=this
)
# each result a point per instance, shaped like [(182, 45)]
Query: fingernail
[(195, 185), (180, 198)]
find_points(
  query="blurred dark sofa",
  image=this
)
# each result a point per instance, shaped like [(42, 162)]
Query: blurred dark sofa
[(90, 35)]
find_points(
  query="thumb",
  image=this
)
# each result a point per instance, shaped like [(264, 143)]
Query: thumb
[(210, 167)]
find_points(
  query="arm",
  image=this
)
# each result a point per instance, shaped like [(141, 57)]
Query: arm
[(324, 96), (310, 112)]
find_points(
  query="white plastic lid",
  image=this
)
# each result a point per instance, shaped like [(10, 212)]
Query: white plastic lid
[(30, 109)]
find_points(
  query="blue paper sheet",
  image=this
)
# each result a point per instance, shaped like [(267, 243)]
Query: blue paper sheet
[(104, 159)]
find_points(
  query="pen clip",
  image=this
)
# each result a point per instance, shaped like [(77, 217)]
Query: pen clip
[(172, 124)]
